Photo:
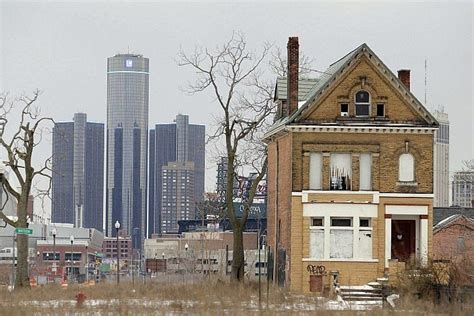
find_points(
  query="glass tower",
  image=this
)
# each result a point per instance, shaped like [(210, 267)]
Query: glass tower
[(183, 145), (78, 172), (127, 137)]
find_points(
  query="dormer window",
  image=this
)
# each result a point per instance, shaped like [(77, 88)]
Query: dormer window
[(362, 103)]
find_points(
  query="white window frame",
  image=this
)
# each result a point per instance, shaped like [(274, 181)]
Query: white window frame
[(315, 171), (356, 231), (361, 172), (362, 103), (405, 175)]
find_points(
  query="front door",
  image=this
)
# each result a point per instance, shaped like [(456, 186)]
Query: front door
[(403, 239)]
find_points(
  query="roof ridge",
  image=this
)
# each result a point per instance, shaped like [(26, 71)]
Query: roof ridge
[(352, 51)]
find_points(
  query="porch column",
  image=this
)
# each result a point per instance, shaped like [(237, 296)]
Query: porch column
[(388, 238), (424, 239)]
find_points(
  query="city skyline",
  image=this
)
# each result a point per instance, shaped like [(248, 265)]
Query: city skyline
[(64, 67)]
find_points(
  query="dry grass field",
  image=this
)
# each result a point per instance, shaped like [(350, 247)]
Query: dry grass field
[(209, 297)]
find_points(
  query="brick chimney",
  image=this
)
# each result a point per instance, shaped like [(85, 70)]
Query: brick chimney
[(404, 76), (292, 74)]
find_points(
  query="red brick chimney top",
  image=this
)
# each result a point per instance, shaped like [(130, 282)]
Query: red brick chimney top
[(404, 76), (293, 68)]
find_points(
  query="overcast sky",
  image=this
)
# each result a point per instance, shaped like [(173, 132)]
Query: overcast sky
[(61, 48)]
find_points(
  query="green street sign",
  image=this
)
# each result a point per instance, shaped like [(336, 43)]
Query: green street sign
[(24, 231)]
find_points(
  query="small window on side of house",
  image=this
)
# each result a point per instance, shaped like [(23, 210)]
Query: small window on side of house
[(460, 246), (317, 221), (364, 222), (341, 221), (381, 110), (344, 109)]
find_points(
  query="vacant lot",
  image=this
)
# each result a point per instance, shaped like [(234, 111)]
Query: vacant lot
[(207, 297)]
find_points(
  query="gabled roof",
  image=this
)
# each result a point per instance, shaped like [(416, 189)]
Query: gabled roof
[(451, 220), (340, 67), (304, 86), (441, 213)]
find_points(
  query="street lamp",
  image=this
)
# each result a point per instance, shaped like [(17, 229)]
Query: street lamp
[(54, 232), (186, 246), (87, 265), (70, 269), (117, 227)]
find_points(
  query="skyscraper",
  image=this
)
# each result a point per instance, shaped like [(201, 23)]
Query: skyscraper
[(441, 161), (127, 141), (178, 195), (179, 142), (78, 172), (463, 189)]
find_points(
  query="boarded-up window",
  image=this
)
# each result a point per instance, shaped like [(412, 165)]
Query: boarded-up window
[(340, 171), (316, 240), (341, 244), (315, 170), (365, 244), (365, 171), (406, 168)]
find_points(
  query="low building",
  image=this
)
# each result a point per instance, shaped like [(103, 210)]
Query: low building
[(67, 252), (109, 248), (202, 252), (453, 239)]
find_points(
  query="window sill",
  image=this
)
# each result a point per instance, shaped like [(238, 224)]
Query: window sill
[(407, 183), (338, 260)]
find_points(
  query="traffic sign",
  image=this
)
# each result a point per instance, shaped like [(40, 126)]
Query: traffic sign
[(24, 231)]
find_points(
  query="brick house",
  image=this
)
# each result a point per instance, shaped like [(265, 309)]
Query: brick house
[(453, 238), (350, 174)]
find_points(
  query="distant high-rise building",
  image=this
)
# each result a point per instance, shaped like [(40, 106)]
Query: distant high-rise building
[(178, 196), (441, 161), (127, 142), (78, 172), (179, 142), (221, 183), (463, 189)]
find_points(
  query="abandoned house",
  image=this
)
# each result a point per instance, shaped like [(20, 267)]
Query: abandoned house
[(350, 174)]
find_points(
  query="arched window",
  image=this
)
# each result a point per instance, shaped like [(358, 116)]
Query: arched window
[(362, 103), (406, 168)]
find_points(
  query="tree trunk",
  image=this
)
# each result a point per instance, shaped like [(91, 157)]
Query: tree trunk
[(22, 278), (238, 265)]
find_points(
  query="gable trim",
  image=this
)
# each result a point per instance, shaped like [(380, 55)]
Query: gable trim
[(392, 79), (361, 129)]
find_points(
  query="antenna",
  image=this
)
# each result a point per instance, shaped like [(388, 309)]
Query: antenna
[(426, 68)]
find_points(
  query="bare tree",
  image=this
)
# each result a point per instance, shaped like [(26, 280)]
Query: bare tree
[(279, 64), (18, 144), (234, 75)]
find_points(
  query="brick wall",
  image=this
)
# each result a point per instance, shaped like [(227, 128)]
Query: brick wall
[(389, 147), (279, 193), (446, 244)]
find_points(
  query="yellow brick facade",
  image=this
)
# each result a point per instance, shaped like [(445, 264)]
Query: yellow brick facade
[(405, 128)]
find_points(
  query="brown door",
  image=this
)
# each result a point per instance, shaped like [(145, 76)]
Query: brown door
[(403, 239)]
